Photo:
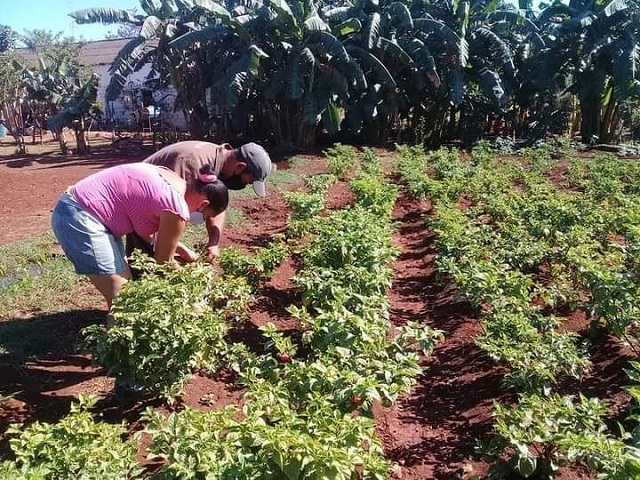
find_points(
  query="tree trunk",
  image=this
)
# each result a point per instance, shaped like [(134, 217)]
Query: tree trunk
[(607, 127), (64, 148), (81, 139), (12, 113), (590, 119), (274, 119)]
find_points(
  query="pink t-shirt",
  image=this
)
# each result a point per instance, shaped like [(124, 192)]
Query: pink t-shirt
[(129, 198)]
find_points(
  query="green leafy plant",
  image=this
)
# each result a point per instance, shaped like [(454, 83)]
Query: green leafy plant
[(542, 433), (164, 328), (322, 443), (341, 159), (284, 347), (75, 447), (373, 193), (318, 183), (255, 267), (371, 164), (305, 208)]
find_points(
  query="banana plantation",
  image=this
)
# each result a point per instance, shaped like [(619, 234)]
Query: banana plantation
[(297, 72)]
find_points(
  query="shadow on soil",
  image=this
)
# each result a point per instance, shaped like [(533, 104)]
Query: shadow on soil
[(102, 156), (39, 366), (44, 336)]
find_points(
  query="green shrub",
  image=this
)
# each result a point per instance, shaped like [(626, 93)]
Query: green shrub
[(76, 447), (164, 327)]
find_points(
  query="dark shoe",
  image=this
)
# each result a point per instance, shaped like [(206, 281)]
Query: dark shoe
[(128, 391)]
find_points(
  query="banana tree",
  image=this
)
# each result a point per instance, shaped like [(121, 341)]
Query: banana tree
[(279, 71), (76, 109), (422, 59), (592, 48), (161, 22), (50, 86), (11, 97), (375, 36), (475, 45)]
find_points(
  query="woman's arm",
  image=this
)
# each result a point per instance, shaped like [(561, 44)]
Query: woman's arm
[(168, 237)]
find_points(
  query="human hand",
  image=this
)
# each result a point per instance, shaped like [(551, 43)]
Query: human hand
[(212, 253), (188, 255)]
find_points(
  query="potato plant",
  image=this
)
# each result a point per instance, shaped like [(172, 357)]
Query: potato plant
[(164, 328), (341, 159), (518, 249), (374, 194), (319, 183), (75, 447), (321, 443), (305, 208), (255, 267), (542, 433)]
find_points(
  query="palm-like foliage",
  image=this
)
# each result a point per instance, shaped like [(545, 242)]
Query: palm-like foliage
[(161, 22), (286, 68), (593, 49), (279, 69), (423, 58), (373, 34), (479, 42), (68, 100), (11, 95)]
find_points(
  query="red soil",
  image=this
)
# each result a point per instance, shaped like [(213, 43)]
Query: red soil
[(428, 434)]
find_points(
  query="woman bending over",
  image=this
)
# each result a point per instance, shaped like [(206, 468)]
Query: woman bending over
[(92, 216)]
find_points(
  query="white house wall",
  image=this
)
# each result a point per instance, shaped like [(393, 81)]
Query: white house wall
[(121, 111)]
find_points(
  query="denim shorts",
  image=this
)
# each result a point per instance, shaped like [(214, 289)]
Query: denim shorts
[(90, 246)]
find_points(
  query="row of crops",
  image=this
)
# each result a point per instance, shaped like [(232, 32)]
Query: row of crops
[(525, 245), (527, 240), (306, 411)]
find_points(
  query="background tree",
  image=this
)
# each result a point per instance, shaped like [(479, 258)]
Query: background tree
[(76, 108), (286, 75), (591, 51), (53, 48), (125, 30), (158, 25), (7, 38), (434, 70), (10, 88), (53, 79), (11, 97)]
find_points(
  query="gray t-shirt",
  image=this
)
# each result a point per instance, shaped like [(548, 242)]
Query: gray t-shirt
[(186, 158)]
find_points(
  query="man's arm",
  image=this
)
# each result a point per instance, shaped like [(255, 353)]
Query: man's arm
[(185, 253), (214, 230)]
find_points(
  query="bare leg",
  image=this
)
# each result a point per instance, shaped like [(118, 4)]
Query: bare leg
[(110, 285)]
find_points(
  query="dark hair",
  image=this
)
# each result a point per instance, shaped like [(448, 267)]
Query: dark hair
[(215, 191)]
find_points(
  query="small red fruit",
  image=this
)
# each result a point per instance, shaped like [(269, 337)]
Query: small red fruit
[(356, 400), (284, 357)]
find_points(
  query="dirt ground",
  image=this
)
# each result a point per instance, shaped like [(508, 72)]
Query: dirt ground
[(31, 184), (429, 434)]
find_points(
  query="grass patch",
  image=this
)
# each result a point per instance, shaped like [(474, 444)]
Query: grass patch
[(16, 257), (51, 287), (43, 303)]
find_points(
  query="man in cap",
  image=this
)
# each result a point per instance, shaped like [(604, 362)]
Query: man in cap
[(236, 167)]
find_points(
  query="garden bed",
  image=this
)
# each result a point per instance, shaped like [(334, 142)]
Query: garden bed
[(430, 433)]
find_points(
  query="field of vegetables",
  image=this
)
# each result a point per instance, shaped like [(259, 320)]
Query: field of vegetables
[(397, 314)]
